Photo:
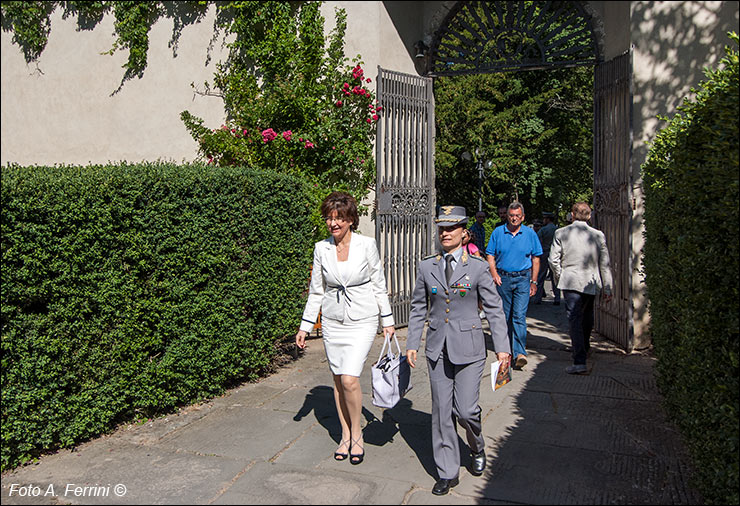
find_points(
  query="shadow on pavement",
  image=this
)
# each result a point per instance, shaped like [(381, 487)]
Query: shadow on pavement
[(600, 438)]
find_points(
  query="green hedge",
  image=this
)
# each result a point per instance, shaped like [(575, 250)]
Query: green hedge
[(691, 271), (128, 290)]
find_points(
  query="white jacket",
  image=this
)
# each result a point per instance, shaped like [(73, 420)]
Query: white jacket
[(361, 296), (579, 259)]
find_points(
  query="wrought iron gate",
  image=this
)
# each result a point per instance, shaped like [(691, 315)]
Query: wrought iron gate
[(613, 203), (405, 196)]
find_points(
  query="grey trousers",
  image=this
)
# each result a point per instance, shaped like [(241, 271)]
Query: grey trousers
[(455, 394)]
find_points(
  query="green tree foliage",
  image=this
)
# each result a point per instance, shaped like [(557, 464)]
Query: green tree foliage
[(691, 271), (293, 105), (535, 127)]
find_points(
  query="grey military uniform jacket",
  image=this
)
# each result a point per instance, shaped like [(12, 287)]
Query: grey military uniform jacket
[(453, 310)]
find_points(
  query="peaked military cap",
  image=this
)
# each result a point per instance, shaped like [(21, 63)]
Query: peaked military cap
[(451, 215), (546, 214)]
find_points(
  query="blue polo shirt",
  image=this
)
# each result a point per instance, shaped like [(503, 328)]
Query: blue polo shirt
[(513, 252)]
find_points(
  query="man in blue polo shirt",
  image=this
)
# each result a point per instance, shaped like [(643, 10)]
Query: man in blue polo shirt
[(513, 256)]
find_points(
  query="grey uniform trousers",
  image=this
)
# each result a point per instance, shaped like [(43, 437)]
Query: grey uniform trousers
[(460, 383)]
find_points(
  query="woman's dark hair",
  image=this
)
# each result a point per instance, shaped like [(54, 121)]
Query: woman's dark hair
[(344, 204)]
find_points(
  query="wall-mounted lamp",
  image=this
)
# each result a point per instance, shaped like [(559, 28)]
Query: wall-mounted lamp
[(420, 49)]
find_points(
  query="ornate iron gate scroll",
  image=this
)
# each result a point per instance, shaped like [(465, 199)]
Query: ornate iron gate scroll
[(613, 191), (404, 203)]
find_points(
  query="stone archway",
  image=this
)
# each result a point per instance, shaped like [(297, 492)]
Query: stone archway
[(481, 37), (477, 37)]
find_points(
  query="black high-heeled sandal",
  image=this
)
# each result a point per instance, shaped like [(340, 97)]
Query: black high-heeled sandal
[(356, 458), (342, 456)]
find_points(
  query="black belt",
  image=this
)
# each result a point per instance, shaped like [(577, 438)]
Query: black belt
[(514, 274), (343, 289)]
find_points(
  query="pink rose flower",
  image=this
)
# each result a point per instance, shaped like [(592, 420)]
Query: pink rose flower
[(368, 80), (309, 144), (375, 117), (369, 120), (268, 135), (339, 103), (287, 134)]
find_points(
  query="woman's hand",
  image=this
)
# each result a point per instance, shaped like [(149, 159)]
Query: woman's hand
[(300, 339), (389, 331)]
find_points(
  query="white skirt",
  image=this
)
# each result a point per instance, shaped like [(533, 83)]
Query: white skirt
[(348, 343)]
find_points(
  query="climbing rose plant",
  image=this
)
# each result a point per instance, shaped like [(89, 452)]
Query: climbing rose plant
[(293, 104)]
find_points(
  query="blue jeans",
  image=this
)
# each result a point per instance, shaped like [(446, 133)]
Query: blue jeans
[(514, 292), (579, 307), (544, 274)]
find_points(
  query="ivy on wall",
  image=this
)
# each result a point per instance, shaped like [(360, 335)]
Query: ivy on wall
[(293, 104), (30, 23)]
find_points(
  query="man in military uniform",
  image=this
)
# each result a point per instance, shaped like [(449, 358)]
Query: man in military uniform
[(449, 285)]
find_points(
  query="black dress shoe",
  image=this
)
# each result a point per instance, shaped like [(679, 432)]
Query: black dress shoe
[(443, 486), (479, 463)]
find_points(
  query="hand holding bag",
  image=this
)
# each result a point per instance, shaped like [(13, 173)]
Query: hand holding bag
[(391, 376)]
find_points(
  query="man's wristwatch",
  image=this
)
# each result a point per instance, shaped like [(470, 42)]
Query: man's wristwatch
[(533, 283)]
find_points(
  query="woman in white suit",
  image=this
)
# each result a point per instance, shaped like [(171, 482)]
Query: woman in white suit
[(348, 287)]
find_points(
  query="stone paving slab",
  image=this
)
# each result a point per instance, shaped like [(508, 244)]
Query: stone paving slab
[(567, 475), (150, 475), (551, 438), (253, 434), (270, 483)]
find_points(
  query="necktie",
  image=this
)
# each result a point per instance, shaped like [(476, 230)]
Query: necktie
[(448, 268)]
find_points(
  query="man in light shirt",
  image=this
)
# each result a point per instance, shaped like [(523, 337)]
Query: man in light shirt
[(579, 261)]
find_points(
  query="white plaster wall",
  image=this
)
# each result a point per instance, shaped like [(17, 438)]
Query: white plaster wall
[(673, 42), (613, 20), (371, 34), (62, 109)]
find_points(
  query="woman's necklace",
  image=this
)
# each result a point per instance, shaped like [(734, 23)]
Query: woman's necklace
[(343, 245)]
